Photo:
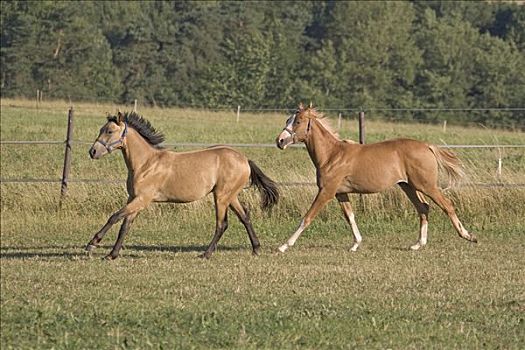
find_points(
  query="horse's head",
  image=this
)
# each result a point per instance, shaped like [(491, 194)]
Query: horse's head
[(297, 126), (112, 136)]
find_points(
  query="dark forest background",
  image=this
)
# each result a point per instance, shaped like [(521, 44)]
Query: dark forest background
[(415, 54)]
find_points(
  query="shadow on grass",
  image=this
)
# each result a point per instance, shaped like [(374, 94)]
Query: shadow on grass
[(63, 251)]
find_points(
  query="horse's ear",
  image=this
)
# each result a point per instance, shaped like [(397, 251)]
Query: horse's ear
[(108, 116), (311, 105), (120, 116), (301, 106)]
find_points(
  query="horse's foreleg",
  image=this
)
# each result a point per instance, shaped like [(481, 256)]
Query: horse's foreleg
[(102, 232), (348, 213), (129, 212), (322, 198), (244, 216), (131, 209), (113, 219), (422, 208), (124, 229)]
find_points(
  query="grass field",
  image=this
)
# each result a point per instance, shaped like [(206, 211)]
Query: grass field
[(452, 294)]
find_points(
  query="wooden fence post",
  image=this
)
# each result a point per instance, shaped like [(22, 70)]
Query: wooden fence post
[(362, 127), (67, 155), (135, 106), (238, 113), (339, 122), (362, 141)]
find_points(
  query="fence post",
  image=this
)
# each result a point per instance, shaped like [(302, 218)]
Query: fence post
[(135, 106), (339, 122), (238, 113), (67, 155), (362, 127)]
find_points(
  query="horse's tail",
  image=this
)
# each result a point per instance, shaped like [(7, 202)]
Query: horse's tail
[(450, 163), (266, 186)]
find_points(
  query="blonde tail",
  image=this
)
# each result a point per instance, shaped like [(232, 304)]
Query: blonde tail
[(450, 163)]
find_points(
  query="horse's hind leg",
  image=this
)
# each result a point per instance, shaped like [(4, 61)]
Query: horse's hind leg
[(422, 209), (446, 205), (221, 224), (244, 216), (348, 213)]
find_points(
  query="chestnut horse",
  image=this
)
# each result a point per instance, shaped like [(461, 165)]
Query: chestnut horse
[(344, 167), (159, 175)]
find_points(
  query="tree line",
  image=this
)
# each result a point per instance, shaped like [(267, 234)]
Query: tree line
[(272, 54)]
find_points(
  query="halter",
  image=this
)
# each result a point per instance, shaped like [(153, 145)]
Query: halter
[(292, 133), (110, 146)]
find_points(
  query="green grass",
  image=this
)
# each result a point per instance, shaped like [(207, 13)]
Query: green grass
[(452, 294)]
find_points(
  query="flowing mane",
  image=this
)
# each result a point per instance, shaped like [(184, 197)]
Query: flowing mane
[(143, 127), (323, 120)]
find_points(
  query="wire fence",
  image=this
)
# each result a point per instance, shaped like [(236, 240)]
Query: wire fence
[(70, 142), (237, 145), (248, 145)]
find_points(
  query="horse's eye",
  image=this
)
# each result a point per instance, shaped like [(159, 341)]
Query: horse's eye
[(110, 132)]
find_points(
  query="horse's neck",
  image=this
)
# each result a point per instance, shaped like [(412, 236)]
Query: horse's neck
[(137, 151), (320, 144)]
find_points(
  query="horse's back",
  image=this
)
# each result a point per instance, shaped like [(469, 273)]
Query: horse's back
[(377, 166), (417, 161), (188, 176), (233, 169), (228, 163), (409, 152)]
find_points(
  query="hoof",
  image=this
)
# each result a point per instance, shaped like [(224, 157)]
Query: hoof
[(90, 247), (416, 246), (473, 238), (204, 256), (109, 257), (256, 252), (283, 248), (354, 248)]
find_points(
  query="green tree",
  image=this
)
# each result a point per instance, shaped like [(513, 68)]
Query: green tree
[(446, 75), (498, 80), (376, 55), (61, 51)]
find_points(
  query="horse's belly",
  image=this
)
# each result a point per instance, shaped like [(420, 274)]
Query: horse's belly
[(366, 185), (185, 189)]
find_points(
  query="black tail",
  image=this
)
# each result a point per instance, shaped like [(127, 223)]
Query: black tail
[(265, 185)]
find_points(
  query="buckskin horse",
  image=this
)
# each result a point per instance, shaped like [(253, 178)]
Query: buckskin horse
[(344, 167), (156, 174)]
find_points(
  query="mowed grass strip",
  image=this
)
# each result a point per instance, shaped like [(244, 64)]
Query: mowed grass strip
[(452, 294)]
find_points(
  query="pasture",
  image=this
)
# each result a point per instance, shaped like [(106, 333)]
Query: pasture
[(158, 294)]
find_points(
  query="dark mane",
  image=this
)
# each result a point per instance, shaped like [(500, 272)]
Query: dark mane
[(143, 127)]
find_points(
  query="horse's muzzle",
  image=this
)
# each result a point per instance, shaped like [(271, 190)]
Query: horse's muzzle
[(94, 153), (279, 142), (283, 142)]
